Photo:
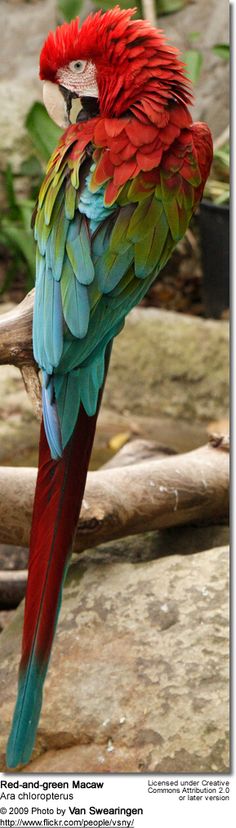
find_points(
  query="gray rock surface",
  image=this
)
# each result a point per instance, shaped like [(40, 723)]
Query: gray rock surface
[(25, 27), (19, 429), (169, 364), (138, 679), (211, 21)]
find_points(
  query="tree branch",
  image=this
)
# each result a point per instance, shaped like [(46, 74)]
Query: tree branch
[(16, 348), (16, 334), (12, 587), (187, 488), (149, 11)]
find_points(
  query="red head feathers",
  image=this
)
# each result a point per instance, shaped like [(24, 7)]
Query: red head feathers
[(130, 56)]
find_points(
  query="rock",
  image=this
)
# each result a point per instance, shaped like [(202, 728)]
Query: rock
[(12, 588), (136, 451), (138, 679), (211, 93), (13, 557), (5, 618), (166, 364), (19, 82), (19, 429), (181, 540)]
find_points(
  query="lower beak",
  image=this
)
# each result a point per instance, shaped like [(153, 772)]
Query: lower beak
[(69, 97), (79, 109)]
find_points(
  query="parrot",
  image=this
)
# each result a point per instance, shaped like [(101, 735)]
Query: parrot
[(119, 191)]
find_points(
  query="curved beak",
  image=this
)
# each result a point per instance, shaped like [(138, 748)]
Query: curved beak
[(60, 105), (56, 104)]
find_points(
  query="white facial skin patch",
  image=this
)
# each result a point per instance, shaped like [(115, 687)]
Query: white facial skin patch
[(80, 77)]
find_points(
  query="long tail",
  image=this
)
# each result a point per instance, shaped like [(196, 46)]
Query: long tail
[(58, 497)]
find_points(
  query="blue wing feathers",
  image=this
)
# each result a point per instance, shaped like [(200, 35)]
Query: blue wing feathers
[(92, 205), (40, 354), (90, 272), (68, 403), (53, 320), (48, 384), (78, 249), (75, 303), (111, 267), (51, 424), (57, 320)]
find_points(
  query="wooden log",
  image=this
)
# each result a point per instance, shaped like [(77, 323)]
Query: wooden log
[(16, 334), (16, 347), (138, 451), (12, 588), (183, 489), (149, 11)]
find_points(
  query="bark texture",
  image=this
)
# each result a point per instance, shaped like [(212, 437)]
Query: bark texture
[(183, 489)]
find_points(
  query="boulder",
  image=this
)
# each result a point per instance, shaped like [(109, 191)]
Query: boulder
[(171, 365), (211, 21), (19, 82), (138, 679)]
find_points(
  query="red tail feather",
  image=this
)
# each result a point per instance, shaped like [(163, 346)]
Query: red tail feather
[(58, 497)]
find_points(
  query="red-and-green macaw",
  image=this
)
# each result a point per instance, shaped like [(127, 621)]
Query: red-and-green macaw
[(119, 193)]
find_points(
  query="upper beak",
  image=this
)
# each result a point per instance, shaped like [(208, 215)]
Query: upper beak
[(58, 102), (55, 104), (60, 105)]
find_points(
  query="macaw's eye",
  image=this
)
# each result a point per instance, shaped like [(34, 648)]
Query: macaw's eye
[(78, 66)]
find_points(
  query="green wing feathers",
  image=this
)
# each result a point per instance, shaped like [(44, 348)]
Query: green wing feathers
[(102, 238)]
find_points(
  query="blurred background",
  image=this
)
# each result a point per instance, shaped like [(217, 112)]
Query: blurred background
[(27, 136)]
